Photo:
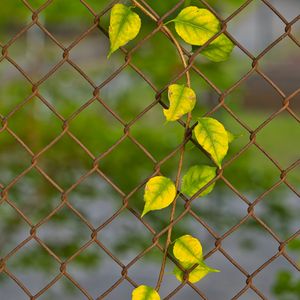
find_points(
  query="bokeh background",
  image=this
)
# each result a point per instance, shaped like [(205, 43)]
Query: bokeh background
[(128, 94)]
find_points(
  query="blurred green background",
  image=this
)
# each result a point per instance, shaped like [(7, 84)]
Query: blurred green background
[(33, 122)]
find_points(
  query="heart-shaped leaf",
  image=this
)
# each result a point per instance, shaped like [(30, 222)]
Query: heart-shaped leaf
[(196, 274), (182, 100), (144, 292), (219, 49), (196, 178), (160, 192), (188, 249), (196, 25), (124, 26), (213, 137)]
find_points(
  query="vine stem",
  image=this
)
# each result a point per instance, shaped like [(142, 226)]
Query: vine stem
[(170, 34), (182, 150)]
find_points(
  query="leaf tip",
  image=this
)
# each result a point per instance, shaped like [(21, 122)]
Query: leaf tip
[(111, 51), (211, 270), (145, 211)]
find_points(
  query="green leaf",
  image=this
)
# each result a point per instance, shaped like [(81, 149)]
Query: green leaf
[(218, 50), (196, 178), (182, 100), (160, 192), (196, 274), (196, 25), (188, 249), (213, 137), (124, 26), (144, 292)]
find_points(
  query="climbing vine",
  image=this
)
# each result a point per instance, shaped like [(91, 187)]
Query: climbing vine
[(196, 26)]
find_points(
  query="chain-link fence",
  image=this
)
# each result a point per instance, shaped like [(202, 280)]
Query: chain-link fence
[(155, 235)]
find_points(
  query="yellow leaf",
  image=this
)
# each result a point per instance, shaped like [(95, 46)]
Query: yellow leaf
[(196, 274), (213, 137), (144, 292), (187, 249), (196, 25), (124, 26), (160, 192), (196, 178), (182, 100)]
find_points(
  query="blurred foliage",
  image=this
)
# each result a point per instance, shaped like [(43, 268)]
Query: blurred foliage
[(286, 287)]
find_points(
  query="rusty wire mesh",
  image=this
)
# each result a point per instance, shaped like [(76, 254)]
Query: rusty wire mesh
[(95, 232)]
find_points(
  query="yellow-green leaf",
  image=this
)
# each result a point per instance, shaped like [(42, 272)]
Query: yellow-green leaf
[(182, 100), (213, 137), (196, 178), (187, 249), (144, 292), (160, 192), (124, 26), (219, 49), (196, 274), (196, 25)]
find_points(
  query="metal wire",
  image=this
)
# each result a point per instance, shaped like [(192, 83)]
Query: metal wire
[(190, 65)]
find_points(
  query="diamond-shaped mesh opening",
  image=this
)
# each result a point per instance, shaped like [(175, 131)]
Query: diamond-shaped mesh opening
[(238, 244), (59, 235), (59, 93), (78, 16), (125, 228), (271, 276), (95, 199), (135, 270), (140, 170), (276, 203), (96, 128), (229, 71), (257, 172), (34, 259), (287, 132), (11, 287), (254, 91), (130, 88), (29, 195), (55, 160), (144, 56), (229, 283), (150, 127), (98, 268), (80, 135), (40, 117), (227, 215), (35, 53), (256, 16), (89, 55), (279, 65)]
